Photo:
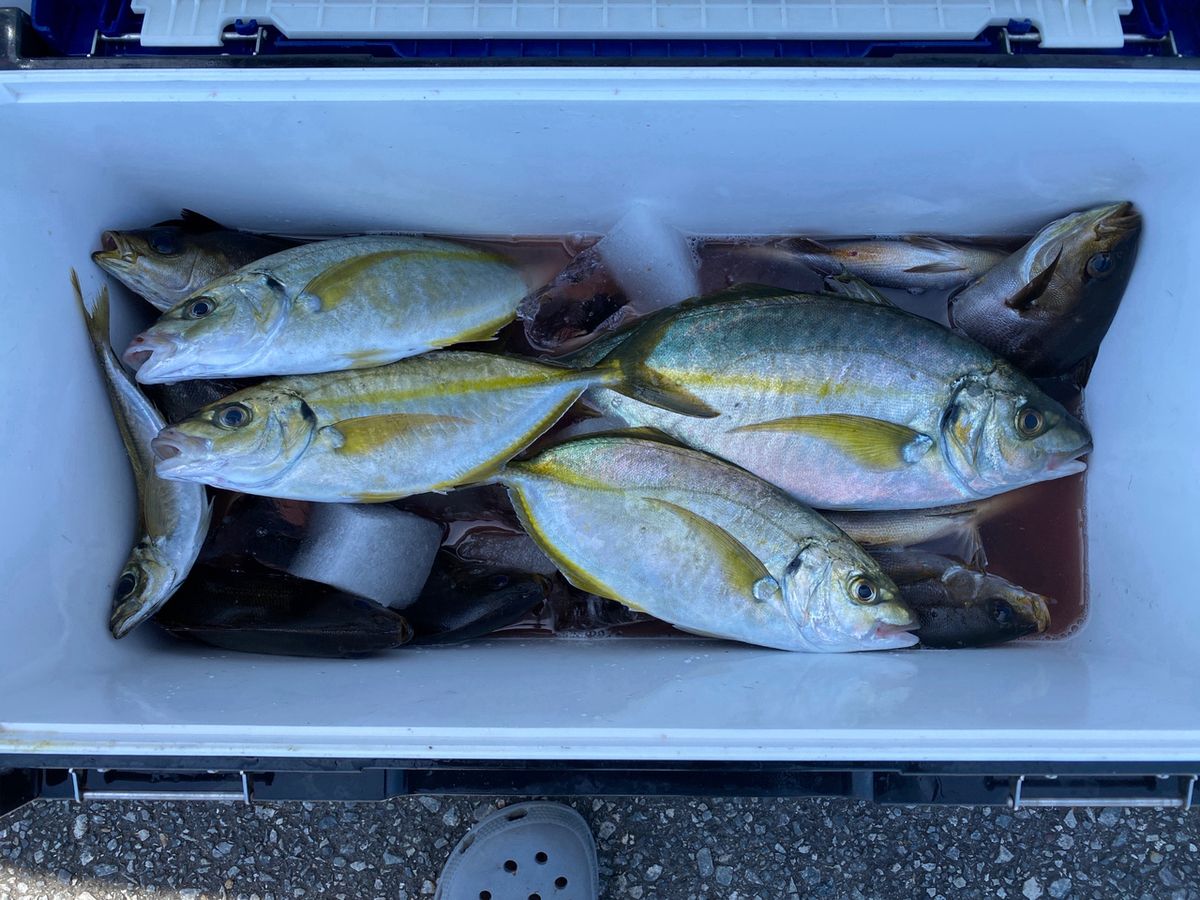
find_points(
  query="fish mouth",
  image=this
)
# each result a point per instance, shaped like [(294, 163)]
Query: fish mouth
[(886, 636), (128, 615), (1117, 218), (114, 254), (175, 450), (144, 355)]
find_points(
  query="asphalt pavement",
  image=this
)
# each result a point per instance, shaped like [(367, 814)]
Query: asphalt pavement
[(671, 848)]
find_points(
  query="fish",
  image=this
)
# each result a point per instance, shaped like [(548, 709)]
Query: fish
[(174, 517), (462, 601), (961, 606), (172, 260), (252, 609), (1047, 307), (846, 404), (914, 262), (429, 423), (703, 545), (344, 303), (488, 545)]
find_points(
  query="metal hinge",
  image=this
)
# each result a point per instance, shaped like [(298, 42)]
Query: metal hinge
[(82, 793), (1148, 791)]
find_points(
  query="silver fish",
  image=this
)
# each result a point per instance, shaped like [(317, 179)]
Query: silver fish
[(847, 404), (703, 545), (914, 262), (174, 516), (346, 303), (424, 424)]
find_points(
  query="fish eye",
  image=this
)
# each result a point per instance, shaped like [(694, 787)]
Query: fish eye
[(863, 591), (200, 307), (126, 585), (164, 243), (233, 415), (499, 582), (1002, 612), (1099, 265), (1030, 422)]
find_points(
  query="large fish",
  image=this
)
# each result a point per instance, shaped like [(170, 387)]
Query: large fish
[(346, 303), (703, 545), (847, 404), (174, 516), (1047, 307), (424, 424), (173, 260), (960, 606), (915, 263)]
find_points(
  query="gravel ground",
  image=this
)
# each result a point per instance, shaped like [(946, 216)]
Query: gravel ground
[(671, 848)]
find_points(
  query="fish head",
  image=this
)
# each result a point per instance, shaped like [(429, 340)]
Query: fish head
[(841, 600), (970, 608), (1092, 254), (142, 587), (247, 440), (159, 263), (213, 332), (1000, 432)]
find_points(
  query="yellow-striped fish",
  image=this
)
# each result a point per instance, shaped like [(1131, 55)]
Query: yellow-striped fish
[(346, 303), (424, 424)]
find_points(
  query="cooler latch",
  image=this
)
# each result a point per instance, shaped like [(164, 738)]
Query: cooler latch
[(175, 786), (1168, 791)]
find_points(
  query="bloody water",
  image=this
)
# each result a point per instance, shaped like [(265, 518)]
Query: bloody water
[(1036, 539)]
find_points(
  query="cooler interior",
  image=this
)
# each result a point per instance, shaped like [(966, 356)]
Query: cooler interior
[(553, 152)]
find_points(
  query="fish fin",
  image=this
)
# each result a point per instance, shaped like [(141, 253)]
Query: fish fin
[(1035, 287), (1083, 371), (874, 442), (846, 285), (935, 268), (95, 316), (331, 288), (807, 245), (194, 221), (748, 571), (624, 371), (367, 433), (928, 242)]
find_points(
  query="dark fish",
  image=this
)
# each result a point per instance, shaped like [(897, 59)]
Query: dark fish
[(1047, 307), (171, 260), (959, 606), (462, 601), (179, 400), (252, 609)]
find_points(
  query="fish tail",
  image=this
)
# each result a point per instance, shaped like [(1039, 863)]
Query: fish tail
[(624, 371), (95, 316)]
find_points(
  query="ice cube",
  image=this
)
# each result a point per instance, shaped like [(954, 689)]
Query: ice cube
[(653, 263)]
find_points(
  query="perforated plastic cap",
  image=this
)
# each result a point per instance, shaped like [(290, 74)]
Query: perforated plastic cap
[(527, 851)]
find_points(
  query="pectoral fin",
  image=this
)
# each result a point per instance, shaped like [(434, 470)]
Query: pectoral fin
[(745, 569), (363, 435), (935, 268), (1028, 294), (873, 442), (334, 285)]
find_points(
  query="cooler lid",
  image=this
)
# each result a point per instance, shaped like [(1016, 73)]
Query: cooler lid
[(1060, 24)]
